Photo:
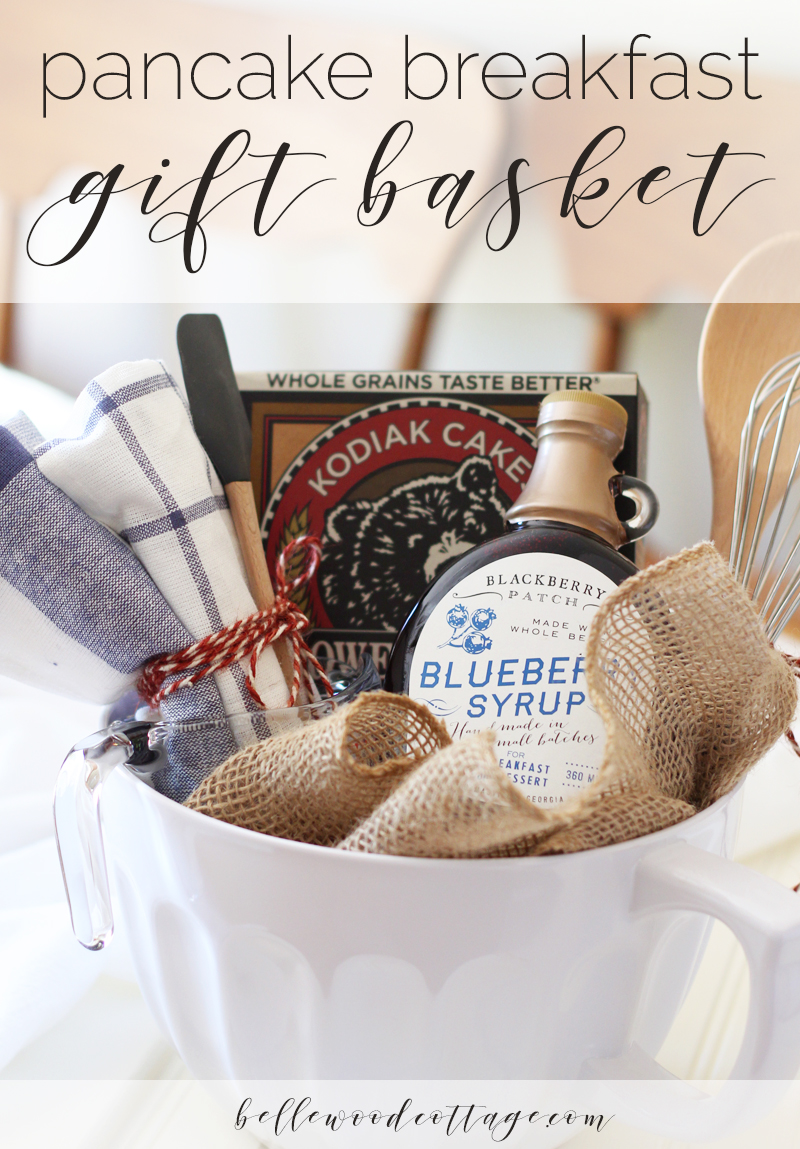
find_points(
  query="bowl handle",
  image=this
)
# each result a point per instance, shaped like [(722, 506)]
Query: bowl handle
[(79, 833), (765, 918)]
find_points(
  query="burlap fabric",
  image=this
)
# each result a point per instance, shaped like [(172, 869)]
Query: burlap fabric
[(316, 784), (678, 666)]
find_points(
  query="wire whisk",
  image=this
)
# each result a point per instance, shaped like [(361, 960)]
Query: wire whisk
[(767, 554)]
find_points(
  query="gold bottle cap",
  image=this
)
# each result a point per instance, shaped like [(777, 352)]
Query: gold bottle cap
[(594, 408)]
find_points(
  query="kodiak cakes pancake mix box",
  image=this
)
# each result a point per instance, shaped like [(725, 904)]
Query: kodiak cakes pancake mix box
[(397, 473)]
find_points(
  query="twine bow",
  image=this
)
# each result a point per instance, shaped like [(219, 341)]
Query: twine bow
[(246, 638)]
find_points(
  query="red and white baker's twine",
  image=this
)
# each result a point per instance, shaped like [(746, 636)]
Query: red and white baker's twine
[(246, 638)]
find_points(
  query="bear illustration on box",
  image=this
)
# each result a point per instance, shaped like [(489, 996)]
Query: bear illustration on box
[(380, 555)]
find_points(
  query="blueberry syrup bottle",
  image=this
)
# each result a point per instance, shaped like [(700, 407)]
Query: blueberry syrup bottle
[(499, 638)]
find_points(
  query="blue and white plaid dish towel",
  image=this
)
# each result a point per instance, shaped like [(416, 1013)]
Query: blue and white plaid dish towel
[(79, 614), (132, 461)]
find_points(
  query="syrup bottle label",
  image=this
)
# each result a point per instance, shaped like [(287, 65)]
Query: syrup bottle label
[(506, 649)]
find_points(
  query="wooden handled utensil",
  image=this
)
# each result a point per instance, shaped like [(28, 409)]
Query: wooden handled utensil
[(741, 341), (221, 424)]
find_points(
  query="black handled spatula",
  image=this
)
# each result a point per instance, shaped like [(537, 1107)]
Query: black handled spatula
[(220, 421)]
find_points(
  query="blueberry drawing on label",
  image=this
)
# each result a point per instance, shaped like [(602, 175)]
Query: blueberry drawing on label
[(468, 631), (483, 618)]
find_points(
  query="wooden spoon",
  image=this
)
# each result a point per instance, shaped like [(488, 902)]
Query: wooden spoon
[(753, 322)]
